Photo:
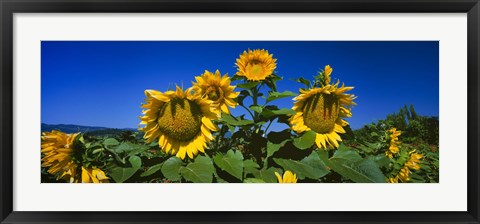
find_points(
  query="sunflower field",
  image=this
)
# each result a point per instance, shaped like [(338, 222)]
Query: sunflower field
[(190, 135)]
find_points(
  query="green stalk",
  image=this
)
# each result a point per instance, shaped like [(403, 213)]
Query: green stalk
[(253, 117), (268, 126), (255, 103)]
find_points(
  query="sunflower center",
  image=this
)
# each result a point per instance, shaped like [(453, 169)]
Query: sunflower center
[(214, 93), (320, 112), (180, 119), (256, 67)]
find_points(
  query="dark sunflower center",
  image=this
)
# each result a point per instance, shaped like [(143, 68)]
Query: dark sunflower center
[(214, 93), (320, 112), (180, 119), (255, 62)]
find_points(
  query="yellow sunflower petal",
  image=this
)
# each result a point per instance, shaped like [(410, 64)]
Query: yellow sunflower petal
[(279, 178), (208, 123)]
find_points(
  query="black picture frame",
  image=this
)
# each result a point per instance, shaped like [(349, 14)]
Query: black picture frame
[(9, 7)]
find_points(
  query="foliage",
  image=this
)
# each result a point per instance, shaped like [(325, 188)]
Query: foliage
[(419, 135), (415, 128)]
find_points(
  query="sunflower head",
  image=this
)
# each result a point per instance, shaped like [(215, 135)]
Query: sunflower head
[(288, 177), (62, 156), (392, 179), (58, 154), (216, 88), (180, 120), (93, 175), (393, 148), (414, 161), (404, 174), (256, 65), (321, 110)]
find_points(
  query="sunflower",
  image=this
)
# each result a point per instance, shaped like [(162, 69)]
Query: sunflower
[(216, 88), (288, 177), (404, 174), (180, 120), (57, 148), (393, 149), (93, 175), (321, 110), (393, 179), (59, 155), (256, 65), (412, 163)]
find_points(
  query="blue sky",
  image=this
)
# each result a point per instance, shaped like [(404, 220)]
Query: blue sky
[(102, 83)]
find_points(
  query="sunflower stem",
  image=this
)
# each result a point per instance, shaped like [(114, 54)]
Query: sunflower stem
[(247, 111), (255, 103), (268, 126), (255, 100)]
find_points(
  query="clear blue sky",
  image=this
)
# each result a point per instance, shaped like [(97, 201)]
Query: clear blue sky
[(102, 83)]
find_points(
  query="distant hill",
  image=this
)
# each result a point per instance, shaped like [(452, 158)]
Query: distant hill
[(72, 128)]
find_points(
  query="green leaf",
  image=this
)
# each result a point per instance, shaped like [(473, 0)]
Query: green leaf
[(365, 147), (131, 148), (200, 171), (249, 166), (98, 150), (232, 163), (276, 95), (272, 147), (415, 178), (346, 153), (135, 161), (153, 169), (229, 119), (271, 81), (380, 160), (306, 82), (237, 77), (369, 147), (137, 149), (309, 167), (171, 168), (110, 142), (231, 128), (350, 165), (253, 180), (257, 109), (110, 147), (323, 154), (247, 85), (305, 141), (81, 139), (267, 175), (120, 174), (426, 168), (123, 147), (284, 111)]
